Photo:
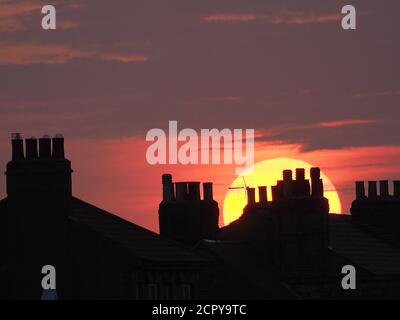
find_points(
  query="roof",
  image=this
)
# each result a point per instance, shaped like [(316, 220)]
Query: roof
[(367, 250), (143, 243), (250, 263)]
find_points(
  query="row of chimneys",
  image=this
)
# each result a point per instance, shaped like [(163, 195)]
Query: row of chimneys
[(288, 188), (48, 148), (373, 190), (185, 190)]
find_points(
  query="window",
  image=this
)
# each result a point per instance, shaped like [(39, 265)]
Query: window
[(186, 292), (152, 291)]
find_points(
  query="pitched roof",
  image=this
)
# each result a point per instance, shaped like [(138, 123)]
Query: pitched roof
[(364, 249), (143, 243), (250, 263)]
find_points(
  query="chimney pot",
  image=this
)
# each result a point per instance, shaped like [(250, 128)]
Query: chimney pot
[(262, 195), (372, 189), (396, 188), (181, 191), (317, 185), (31, 148), (17, 147), (208, 191), (384, 188), (168, 188), (194, 191), (300, 174), (45, 147), (251, 196), (58, 147), (315, 173), (287, 183), (360, 190), (287, 175)]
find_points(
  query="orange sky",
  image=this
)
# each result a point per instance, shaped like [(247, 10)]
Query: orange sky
[(122, 182), (111, 72)]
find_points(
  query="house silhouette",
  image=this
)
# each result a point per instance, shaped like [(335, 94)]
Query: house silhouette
[(287, 247)]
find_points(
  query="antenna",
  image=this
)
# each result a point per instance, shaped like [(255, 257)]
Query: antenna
[(244, 187)]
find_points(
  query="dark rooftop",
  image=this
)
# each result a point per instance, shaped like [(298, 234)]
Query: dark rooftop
[(143, 243)]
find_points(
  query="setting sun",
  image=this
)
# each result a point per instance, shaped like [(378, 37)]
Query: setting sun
[(266, 173)]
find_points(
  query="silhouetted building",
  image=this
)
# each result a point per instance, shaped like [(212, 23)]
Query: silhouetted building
[(183, 215), (96, 255), (286, 247), (290, 247)]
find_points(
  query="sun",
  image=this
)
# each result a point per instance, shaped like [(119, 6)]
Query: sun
[(266, 173)]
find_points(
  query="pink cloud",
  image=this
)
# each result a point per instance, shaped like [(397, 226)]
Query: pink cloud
[(230, 18), (291, 18), (344, 123), (15, 17), (36, 53)]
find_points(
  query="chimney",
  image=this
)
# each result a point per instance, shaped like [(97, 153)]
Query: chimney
[(194, 191), (384, 188), (17, 147), (316, 182), (279, 189), (251, 196), (45, 147), (208, 191), (360, 190), (372, 189), (31, 148), (301, 185), (168, 187), (181, 191), (274, 193), (262, 195), (396, 188), (58, 147), (300, 174), (287, 183)]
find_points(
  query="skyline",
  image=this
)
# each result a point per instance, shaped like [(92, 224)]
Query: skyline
[(108, 74)]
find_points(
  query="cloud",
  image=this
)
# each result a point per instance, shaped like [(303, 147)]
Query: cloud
[(341, 123), (290, 18), (230, 18), (12, 53), (15, 17)]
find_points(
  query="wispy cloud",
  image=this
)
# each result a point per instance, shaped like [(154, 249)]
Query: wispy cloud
[(230, 18), (342, 123), (13, 53), (16, 16), (291, 18)]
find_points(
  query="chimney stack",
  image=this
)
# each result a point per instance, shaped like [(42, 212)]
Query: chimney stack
[(208, 191), (396, 188), (251, 196), (384, 188), (181, 191), (194, 191), (31, 148), (45, 147), (316, 182), (168, 188), (58, 147), (262, 195), (372, 189), (360, 190), (17, 147)]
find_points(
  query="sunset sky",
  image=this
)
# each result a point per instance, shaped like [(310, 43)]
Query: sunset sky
[(115, 69)]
